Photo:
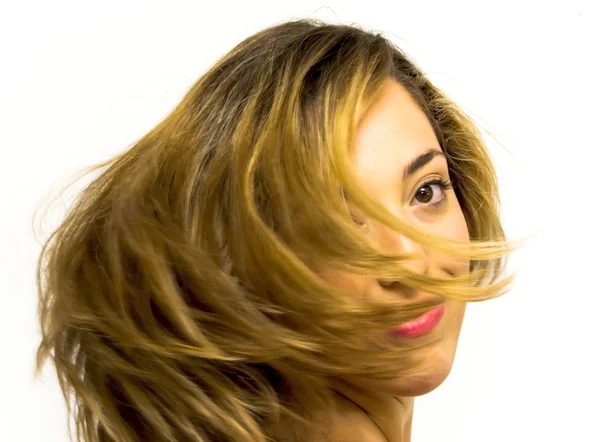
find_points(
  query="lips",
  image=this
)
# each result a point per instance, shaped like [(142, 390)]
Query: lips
[(421, 325)]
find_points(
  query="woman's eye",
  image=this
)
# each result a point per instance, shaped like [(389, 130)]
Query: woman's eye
[(357, 216), (360, 221), (432, 193)]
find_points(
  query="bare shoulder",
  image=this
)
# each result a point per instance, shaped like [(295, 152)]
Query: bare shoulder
[(348, 424)]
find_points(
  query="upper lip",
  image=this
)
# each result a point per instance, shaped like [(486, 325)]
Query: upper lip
[(434, 299)]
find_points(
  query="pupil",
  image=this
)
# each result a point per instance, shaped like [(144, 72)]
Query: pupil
[(425, 194)]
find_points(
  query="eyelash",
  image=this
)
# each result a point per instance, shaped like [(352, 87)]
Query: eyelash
[(445, 186)]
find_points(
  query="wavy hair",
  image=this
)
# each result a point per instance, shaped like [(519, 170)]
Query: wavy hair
[(177, 298)]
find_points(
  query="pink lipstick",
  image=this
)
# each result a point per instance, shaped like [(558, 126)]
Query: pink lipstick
[(420, 326)]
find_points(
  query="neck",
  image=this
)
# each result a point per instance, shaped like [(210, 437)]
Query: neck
[(391, 414)]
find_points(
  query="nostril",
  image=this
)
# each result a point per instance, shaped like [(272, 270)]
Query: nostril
[(385, 283), (394, 284)]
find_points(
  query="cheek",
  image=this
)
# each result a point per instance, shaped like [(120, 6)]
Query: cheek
[(454, 227), (455, 224)]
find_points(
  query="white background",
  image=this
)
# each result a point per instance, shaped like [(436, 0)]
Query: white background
[(82, 80)]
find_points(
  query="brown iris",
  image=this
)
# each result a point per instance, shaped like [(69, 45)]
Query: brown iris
[(424, 194)]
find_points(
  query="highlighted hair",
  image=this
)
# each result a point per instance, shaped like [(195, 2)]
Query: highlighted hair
[(177, 300)]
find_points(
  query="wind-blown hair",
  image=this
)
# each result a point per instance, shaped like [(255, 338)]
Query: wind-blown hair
[(177, 298)]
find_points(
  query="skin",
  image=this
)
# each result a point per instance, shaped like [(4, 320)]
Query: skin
[(393, 133)]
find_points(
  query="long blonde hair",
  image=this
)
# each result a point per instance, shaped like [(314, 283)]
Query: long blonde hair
[(176, 298)]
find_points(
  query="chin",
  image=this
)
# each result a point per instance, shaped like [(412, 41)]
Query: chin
[(433, 374), (417, 385), (435, 368)]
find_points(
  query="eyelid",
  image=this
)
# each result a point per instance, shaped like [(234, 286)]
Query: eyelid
[(432, 177), (426, 180)]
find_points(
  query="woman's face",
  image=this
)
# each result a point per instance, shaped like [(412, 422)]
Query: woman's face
[(399, 161)]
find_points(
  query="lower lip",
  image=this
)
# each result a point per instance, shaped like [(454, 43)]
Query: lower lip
[(420, 326)]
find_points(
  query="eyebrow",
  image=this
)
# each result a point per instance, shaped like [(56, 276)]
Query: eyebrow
[(420, 162)]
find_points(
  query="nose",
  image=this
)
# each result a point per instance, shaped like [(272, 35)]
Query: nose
[(394, 242)]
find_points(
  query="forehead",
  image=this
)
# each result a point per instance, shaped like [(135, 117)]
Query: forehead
[(392, 133)]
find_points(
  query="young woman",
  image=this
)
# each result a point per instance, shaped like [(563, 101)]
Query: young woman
[(287, 256)]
